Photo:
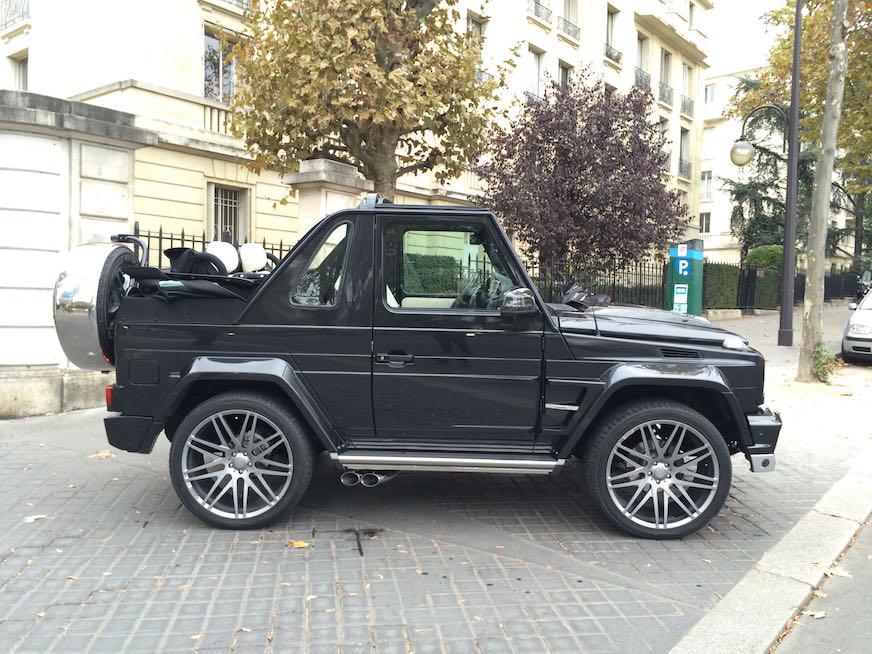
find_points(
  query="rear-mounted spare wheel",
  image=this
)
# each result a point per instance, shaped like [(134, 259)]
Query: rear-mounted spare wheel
[(87, 297)]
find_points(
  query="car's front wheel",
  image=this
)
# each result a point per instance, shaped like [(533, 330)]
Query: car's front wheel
[(658, 469), (240, 460)]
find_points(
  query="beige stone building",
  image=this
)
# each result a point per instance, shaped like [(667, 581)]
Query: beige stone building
[(114, 113)]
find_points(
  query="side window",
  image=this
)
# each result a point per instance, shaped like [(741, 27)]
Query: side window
[(444, 268), (319, 284)]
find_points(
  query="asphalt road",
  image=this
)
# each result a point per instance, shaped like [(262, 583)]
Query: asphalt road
[(841, 621)]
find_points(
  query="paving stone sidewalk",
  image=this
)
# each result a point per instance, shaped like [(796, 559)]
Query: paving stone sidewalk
[(96, 554)]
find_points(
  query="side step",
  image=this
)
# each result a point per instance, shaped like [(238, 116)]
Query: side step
[(447, 463)]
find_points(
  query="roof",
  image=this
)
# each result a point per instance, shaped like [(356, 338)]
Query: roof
[(375, 202)]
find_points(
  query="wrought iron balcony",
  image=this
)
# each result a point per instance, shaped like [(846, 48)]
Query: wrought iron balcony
[(532, 98), (665, 93), (539, 10), (643, 79), (686, 106), (684, 168), (666, 160), (13, 11), (613, 53), (570, 29)]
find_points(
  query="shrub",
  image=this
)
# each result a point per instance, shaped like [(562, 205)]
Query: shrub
[(768, 287), (767, 257), (720, 285), (430, 273), (824, 363)]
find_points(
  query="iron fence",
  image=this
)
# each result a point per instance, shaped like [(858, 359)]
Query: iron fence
[(686, 106), (643, 79), (613, 53), (159, 240), (539, 10), (642, 283), (569, 28)]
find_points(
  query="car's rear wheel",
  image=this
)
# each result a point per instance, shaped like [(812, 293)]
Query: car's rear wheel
[(240, 460), (658, 469)]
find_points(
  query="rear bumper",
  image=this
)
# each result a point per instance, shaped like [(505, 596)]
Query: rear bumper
[(765, 426), (132, 433)]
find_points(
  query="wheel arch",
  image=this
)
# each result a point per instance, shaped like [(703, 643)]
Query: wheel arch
[(209, 376), (702, 388)]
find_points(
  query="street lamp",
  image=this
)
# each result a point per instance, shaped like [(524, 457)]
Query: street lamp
[(742, 153)]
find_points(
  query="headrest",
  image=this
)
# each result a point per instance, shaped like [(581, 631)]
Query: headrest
[(226, 252), (253, 256)]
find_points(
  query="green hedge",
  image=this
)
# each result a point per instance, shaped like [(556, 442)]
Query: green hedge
[(766, 257), (768, 285), (720, 285), (430, 273)]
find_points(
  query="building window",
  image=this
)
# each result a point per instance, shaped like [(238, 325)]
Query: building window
[(684, 167), (228, 214), (665, 67), (534, 84), (219, 70), (687, 79), (564, 74), (709, 93), (642, 52), (20, 74), (691, 17), (611, 22), (706, 185), (474, 25), (705, 222)]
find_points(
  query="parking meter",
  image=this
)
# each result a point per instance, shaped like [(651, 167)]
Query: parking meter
[(684, 277)]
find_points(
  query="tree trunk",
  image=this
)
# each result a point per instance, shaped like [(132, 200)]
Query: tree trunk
[(812, 327), (384, 166)]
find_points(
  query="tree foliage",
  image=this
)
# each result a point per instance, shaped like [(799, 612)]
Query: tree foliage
[(579, 175), (773, 86), (766, 257), (389, 86)]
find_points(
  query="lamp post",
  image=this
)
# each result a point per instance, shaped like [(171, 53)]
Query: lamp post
[(742, 153)]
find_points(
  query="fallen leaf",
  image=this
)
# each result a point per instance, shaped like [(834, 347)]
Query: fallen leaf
[(38, 516), (299, 544), (102, 454), (837, 571), (196, 636), (72, 578), (185, 587), (707, 560), (41, 614), (817, 615), (820, 593), (245, 629)]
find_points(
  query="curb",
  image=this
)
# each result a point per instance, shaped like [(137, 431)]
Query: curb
[(752, 616)]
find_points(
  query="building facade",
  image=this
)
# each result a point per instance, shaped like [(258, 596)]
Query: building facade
[(157, 70)]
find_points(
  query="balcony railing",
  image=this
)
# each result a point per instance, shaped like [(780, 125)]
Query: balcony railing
[(665, 161), (245, 5), (665, 93), (13, 11), (613, 53), (570, 29), (539, 10), (532, 98), (684, 168), (643, 79), (686, 106)]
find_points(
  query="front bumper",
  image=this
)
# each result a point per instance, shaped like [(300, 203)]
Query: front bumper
[(857, 345), (132, 433), (765, 427)]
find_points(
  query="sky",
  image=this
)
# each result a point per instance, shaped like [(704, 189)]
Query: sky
[(738, 38)]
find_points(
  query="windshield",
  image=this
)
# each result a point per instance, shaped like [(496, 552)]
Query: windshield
[(866, 302)]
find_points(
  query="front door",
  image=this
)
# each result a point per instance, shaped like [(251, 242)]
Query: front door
[(448, 371)]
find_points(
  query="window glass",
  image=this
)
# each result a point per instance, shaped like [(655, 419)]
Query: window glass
[(458, 269), (319, 285), (218, 69), (705, 222)]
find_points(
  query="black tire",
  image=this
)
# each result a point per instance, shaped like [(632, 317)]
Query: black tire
[(849, 358), (602, 461), (110, 289), (272, 415)]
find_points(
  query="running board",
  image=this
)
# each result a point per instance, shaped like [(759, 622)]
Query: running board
[(435, 463)]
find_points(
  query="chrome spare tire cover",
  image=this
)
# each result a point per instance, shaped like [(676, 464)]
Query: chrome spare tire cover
[(76, 305)]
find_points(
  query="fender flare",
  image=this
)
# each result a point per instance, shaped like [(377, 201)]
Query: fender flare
[(264, 369), (666, 375)]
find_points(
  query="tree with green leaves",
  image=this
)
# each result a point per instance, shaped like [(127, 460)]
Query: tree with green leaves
[(854, 146), (389, 86)]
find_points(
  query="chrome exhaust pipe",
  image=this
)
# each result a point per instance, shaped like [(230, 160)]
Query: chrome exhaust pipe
[(349, 478), (371, 479)]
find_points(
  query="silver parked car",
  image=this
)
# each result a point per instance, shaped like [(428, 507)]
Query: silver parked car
[(857, 338)]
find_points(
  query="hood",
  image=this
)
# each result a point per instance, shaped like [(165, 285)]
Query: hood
[(643, 323), (861, 316)]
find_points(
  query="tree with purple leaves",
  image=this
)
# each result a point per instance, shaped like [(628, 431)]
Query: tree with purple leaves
[(578, 177)]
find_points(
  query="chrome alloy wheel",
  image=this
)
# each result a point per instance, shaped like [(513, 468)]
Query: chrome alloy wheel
[(662, 474), (237, 464)]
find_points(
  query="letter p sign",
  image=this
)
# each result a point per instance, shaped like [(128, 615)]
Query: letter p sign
[(683, 266)]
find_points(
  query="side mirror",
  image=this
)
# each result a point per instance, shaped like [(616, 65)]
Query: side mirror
[(518, 301), (853, 306)]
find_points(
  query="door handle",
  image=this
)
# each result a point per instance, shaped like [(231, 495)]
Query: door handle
[(395, 359)]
